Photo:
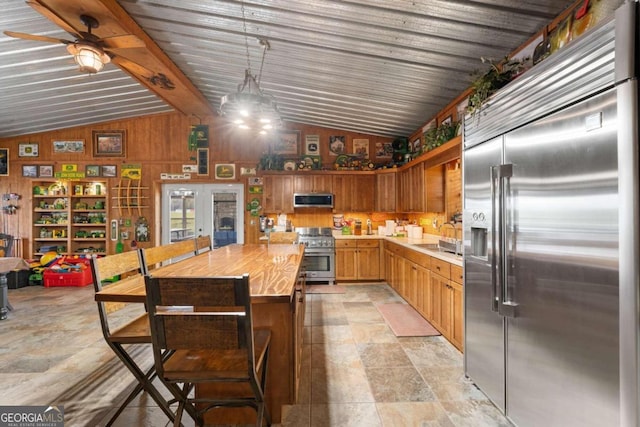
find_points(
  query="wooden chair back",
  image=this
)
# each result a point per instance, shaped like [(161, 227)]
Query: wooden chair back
[(203, 244), (164, 254), (206, 324), (120, 270), (283, 237)]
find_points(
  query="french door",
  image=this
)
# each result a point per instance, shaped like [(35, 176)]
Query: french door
[(190, 210)]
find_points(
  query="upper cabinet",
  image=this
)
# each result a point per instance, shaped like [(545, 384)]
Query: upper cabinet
[(354, 192), (278, 193), (386, 190), (312, 184), (411, 191)]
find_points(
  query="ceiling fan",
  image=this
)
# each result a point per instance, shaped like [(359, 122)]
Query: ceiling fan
[(89, 51)]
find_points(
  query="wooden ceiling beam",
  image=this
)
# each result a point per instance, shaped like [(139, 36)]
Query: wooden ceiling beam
[(149, 65)]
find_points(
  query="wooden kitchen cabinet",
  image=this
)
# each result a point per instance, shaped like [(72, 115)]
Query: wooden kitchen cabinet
[(435, 189), (386, 191), (278, 193), (412, 189), (354, 192), (313, 184), (357, 259)]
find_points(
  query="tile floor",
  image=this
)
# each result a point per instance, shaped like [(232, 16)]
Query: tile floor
[(357, 373)]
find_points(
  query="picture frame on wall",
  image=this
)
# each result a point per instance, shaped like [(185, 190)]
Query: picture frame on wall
[(312, 145), (28, 150), (4, 162), (361, 148), (337, 145), (75, 146), (92, 171), (109, 143), (45, 171), (109, 171), (286, 142), (30, 171)]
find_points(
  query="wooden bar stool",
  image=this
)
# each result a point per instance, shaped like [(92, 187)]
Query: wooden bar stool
[(206, 323), (132, 325)]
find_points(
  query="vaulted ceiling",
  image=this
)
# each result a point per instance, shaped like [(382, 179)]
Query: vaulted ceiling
[(380, 67)]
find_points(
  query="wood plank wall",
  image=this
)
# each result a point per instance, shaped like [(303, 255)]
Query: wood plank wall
[(159, 144)]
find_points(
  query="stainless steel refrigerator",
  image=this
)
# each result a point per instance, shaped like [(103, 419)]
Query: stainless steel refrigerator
[(550, 175)]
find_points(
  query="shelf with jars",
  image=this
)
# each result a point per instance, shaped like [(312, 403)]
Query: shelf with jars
[(69, 217)]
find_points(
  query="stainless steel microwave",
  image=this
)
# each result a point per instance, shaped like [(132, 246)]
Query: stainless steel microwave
[(312, 200)]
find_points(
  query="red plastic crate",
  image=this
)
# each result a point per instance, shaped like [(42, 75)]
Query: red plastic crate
[(53, 278)]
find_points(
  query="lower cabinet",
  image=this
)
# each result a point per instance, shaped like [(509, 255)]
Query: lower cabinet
[(432, 286), (358, 259)]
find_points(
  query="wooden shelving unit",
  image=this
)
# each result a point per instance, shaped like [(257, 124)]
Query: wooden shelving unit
[(69, 217), (129, 197)]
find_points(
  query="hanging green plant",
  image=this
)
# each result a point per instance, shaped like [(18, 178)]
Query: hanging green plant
[(437, 136), (485, 85)]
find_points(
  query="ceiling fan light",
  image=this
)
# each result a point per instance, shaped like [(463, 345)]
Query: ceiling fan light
[(90, 59)]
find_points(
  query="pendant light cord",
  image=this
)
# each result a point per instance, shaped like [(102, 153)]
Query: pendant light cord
[(246, 36)]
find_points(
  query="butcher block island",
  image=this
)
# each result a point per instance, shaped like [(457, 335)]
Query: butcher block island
[(278, 302)]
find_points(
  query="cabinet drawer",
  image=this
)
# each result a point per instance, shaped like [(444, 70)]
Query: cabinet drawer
[(440, 267), (344, 243), (457, 274), (368, 243)]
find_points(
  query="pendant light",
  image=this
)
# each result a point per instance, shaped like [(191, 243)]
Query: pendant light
[(249, 107)]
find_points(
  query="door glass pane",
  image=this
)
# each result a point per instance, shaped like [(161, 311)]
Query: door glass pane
[(224, 219), (182, 207)]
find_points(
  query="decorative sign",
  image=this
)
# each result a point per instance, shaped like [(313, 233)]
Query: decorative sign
[(69, 168), (27, 150), (198, 137), (175, 176), (312, 144), (132, 171), (190, 168), (225, 171), (69, 175), (203, 161)]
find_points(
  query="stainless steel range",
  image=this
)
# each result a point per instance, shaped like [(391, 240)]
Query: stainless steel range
[(319, 253)]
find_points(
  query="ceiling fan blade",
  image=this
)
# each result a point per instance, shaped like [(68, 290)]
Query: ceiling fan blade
[(36, 38), (122, 42), (52, 16)]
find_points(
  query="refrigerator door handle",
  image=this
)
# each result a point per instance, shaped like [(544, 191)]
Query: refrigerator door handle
[(506, 307), (495, 271)]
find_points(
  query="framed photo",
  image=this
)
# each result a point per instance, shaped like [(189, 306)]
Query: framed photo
[(225, 171), (361, 147), (4, 162), (312, 145), (75, 146), (109, 143), (45, 171), (256, 181), (109, 171), (286, 142), (92, 171), (30, 171), (384, 150), (27, 150), (337, 145)]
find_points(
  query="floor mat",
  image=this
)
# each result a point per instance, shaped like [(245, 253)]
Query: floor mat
[(325, 289), (404, 321)]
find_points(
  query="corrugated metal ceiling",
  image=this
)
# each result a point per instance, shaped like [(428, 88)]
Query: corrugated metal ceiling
[(380, 67)]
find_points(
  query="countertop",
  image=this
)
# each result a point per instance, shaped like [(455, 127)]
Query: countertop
[(408, 243)]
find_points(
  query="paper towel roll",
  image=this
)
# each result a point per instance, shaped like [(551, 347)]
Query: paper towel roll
[(415, 232)]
